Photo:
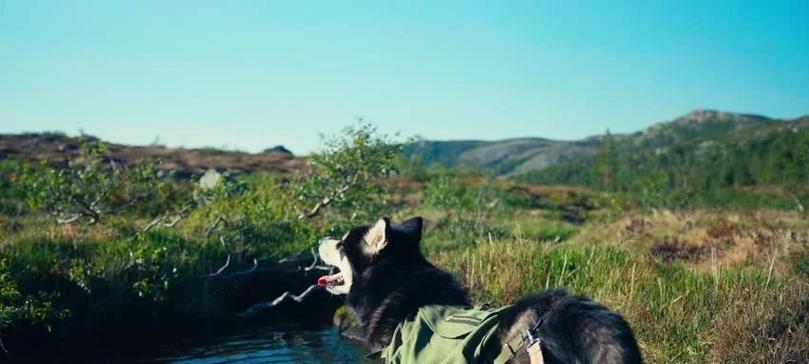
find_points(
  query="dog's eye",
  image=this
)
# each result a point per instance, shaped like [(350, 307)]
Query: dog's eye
[(339, 245)]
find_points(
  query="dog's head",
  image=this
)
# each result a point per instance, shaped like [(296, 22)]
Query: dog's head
[(368, 246)]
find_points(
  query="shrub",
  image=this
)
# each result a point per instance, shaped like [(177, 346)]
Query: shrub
[(89, 188), (345, 175), (15, 306)]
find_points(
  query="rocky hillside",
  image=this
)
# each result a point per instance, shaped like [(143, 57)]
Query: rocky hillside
[(513, 157), (57, 148)]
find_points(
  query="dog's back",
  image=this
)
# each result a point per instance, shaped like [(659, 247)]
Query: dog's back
[(571, 329)]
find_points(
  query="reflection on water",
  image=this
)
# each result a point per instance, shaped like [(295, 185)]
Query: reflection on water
[(265, 345)]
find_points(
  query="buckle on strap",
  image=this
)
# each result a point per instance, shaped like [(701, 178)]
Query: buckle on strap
[(527, 341), (534, 350), (510, 349)]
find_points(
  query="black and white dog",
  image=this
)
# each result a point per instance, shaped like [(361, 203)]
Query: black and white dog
[(387, 280)]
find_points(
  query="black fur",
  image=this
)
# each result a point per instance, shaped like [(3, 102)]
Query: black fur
[(391, 285)]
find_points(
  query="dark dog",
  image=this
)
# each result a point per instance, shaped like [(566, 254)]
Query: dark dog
[(390, 284)]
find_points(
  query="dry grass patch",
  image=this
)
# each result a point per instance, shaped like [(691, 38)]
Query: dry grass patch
[(773, 328), (762, 238)]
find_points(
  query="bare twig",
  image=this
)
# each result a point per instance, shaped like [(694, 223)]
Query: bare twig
[(153, 223), (69, 219), (220, 270), (315, 259), (321, 267), (88, 210), (253, 310), (213, 226), (244, 272), (160, 220), (327, 200), (175, 221), (288, 260)]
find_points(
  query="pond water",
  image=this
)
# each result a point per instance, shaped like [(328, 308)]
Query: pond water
[(262, 345), (269, 344)]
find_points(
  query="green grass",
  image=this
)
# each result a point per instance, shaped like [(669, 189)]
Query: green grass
[(745, 303), (671, 306)]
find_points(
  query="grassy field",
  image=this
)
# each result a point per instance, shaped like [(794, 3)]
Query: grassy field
[(732, 289), (697, 285)]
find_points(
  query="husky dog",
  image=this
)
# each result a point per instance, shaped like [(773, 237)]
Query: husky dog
[(388, 282)]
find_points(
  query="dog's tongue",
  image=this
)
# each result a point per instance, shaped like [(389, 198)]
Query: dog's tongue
[(330, 280)]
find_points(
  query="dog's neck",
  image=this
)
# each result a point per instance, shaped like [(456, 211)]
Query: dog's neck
[(399, 296)]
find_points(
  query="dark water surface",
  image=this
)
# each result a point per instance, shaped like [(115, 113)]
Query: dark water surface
[(268, 344), (265, 345)]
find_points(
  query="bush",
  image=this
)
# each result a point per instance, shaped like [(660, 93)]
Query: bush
[(89, 188), (345, 175), (15, 306)]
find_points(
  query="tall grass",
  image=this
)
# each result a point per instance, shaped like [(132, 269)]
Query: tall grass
[(671, 307)]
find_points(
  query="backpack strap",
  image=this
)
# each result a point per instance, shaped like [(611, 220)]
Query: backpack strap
[(510, 349), (527, 341)]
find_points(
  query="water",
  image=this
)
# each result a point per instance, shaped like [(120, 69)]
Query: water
[(269, 344), (263, 345)]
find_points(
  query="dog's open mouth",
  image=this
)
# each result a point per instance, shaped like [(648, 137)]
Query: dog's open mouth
[(331, 280)]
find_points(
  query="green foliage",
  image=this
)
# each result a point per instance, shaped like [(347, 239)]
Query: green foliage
[(259, 216), (89, 188), (345, 175), (15, 306), (606, 166), (11, 196), (102, 269), (448, 193), (503, 239), (672, 171)]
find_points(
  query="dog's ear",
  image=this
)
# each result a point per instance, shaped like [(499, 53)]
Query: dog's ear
[(412, 227), (377, 236)]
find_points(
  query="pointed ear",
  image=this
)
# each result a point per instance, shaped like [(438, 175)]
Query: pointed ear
[(377, 236), (413, 227)]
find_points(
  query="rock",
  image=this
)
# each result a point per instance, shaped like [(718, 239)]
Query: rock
[(210, 179), (278, 149)]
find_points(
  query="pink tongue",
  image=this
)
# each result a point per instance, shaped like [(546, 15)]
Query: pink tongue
[(332, 279)]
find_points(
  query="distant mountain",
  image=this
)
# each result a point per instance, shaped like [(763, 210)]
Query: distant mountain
[(504, 157), (515, 157)]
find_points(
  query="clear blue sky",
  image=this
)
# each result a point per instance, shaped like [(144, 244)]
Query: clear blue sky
[(248, 75)]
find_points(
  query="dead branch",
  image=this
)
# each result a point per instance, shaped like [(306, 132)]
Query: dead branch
[(153, 223), (160, 220), (88, 210), (213, 226), (244, 272), (69, 219), (315, 259), (286, 296), (315, 265), (225, 266), (327, 200), (220, 270)]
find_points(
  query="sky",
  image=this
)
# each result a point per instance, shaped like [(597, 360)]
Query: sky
[(251, 75)]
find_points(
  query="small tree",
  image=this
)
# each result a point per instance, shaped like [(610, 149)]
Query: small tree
[(795, 171), (90, 187), (606, 163), (346, 173)]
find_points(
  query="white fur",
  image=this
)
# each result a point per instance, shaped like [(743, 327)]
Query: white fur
[(330, 255), (375, 239)]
